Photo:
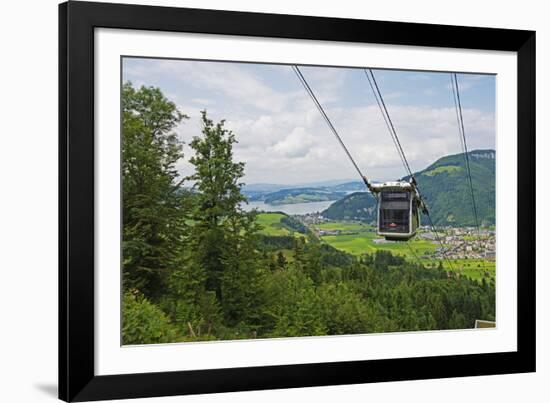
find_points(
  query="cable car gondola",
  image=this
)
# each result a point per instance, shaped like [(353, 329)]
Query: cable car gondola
[(397, 210)]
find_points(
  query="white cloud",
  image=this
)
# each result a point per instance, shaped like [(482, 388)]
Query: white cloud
[(297, 144), (239, 85), (202, 101), (283, 138), (275, 150)]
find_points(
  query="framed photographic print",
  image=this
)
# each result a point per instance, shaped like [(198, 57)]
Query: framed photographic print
[(257, 201)]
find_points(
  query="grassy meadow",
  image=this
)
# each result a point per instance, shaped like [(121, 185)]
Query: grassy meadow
[(362, 239), (270, 224)]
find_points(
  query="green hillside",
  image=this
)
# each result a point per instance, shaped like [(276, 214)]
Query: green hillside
[(296, 195), (359, 206), (445, 187)]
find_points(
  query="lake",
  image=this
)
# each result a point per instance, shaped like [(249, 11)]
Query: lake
[(290, 209)]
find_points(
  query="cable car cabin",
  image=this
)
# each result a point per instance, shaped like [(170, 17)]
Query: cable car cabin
[(397, 210)]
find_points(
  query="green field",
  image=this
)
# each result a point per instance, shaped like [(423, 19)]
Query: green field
[(363, 242), (472, 268), (271, 224), (345, 226)]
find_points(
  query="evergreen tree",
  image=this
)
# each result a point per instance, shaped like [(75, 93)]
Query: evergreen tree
[(281, 260), (218, 197), (298, 253), (152, 205), (223, 236), (241, 276)]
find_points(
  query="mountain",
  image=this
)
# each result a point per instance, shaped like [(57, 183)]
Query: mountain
[(360, 206), (353, 186), (297, 195), (263, 187), (445, 188), (316, 191), (259, 191)]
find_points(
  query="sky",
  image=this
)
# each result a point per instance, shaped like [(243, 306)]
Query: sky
[(283, 138)]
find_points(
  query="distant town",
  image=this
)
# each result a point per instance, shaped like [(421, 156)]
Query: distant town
[(459, 242)]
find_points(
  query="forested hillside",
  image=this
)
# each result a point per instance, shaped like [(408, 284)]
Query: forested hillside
[(445, 187), (360, 206), (196, 266), (297, 195)]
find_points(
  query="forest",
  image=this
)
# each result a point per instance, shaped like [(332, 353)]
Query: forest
[(196, 266)]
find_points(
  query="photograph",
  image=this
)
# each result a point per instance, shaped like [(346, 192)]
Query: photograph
[(263, 200)]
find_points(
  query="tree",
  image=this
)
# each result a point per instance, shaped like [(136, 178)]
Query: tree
[(457, 321), (218, 196), (292, 306), (152, 204), (345, 312), (298, 253), (223, 236), (144, 322), (281, 260), (241, 275)]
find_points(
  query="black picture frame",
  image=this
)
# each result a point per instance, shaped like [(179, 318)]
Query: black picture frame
[(77, 379)]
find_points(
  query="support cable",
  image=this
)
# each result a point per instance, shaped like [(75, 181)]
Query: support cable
[(388, 124), (331, 126), (386, 115), (414, 253), (462, 133)]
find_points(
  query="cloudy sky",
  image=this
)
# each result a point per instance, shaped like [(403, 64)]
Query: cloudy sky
[(283, 138)]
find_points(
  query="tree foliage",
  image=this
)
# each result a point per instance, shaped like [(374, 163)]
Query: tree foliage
[(144, 323), (151, 207)]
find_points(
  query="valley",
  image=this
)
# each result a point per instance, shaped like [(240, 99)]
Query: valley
[(465, 252)]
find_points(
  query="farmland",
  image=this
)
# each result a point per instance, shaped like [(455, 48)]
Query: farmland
[(365, 240), (270, 224), (359, 238)]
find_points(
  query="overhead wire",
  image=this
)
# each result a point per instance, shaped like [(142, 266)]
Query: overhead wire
[(330, 125), (458, 125), (462, 135), (413, 253), (391, 126), (386, 119)]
